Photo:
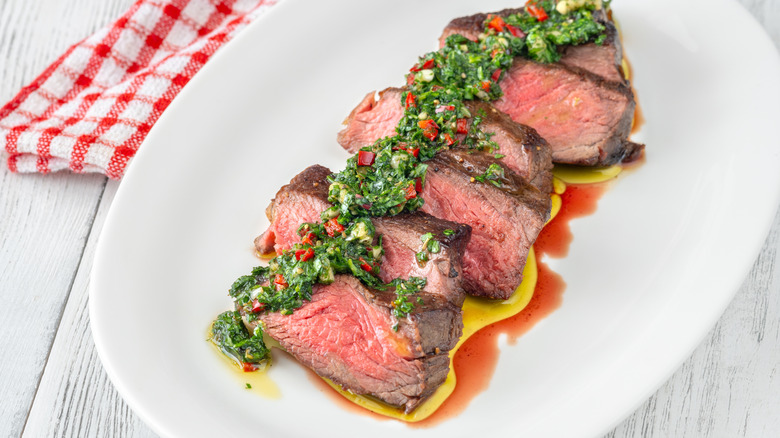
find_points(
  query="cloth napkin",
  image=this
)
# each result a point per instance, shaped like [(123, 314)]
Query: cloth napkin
[(91, 109)]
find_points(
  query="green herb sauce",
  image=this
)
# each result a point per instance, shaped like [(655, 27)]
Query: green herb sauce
[(544, 37), (234, 340), (386, 178)]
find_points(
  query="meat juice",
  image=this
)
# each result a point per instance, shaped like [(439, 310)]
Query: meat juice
[(476, 360), (477, 355), (577, 201)]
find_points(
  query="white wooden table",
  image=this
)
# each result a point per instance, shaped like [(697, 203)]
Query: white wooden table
[(52, 382)]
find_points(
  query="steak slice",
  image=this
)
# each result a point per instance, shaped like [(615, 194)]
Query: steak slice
[(346, 334), (603, 60), (581, 105), (585, 119), (307, 196), (505, 220), (526, 153), (375, 117), (471, 26)]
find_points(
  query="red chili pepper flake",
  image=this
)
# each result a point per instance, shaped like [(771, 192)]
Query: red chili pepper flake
[(462, 126), (448, 139), (516, 32), (333, 227), (404, 147), (495, 53), (425, 65), (364, 265), (248, 367), (430, 128), (496, 74), (442, 108), (485, 85), (365, 158), (304, 254), (410, 101), (410, 192), (280, 281), (308, 238), (418, 185), (496, 23), (535, 11), (257, 306)]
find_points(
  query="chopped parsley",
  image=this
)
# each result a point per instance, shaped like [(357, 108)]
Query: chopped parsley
[(404, 289), (492, 175), (430, 246), (234, 340)]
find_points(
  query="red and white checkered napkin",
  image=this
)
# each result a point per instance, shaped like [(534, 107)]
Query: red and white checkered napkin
[(91, 109)]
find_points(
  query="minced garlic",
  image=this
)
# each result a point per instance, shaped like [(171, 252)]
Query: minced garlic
[(566, 6)]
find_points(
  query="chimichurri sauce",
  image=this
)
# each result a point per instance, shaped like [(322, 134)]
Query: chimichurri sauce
[(387, 177)]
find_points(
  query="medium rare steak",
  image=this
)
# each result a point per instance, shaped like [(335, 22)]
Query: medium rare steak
[(307, 196), (504, 220), (585, 119), (346, 334), (581, 105), (471, 26), (603, 60), (527, 154)]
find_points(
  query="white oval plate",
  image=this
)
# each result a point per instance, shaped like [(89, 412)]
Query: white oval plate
[(648, 274)]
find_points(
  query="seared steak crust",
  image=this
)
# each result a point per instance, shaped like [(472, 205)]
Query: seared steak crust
[(585, 118), (307, 196), (471, 26), (505, 220)]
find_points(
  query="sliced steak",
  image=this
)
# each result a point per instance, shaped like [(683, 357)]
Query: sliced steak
[(302, 200), (581, 105), (505, 220), (526, 152), (471, 26), (402, 241), (375, 117), (307, 196), (585, 119), (346, 334), (604, 60)]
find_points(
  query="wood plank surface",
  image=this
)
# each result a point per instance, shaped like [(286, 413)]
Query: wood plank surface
[(75, 398), (53, 385), (44, 220)]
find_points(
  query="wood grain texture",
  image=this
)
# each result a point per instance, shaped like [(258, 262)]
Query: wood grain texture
[(75, 397), (44, 223), (44, 220), (55, 385)]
